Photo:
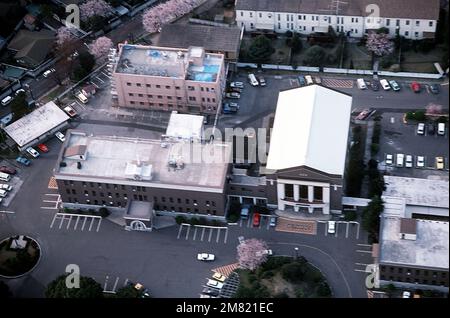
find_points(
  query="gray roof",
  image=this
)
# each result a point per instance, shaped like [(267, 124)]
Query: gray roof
[(223, 39), (32, 45), (409, 9)]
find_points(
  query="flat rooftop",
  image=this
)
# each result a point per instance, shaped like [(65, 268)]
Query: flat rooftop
[(169, 62), (178, 164), (422, 192), (185, 126), (36, 123), (430, 249)]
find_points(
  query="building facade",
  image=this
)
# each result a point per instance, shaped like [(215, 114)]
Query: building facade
[(101, 171), (168, 79), (413, 19)]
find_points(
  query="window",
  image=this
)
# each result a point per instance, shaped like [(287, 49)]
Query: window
[(416, 34), (178, 200), (128, 84), (388, 22), (163, 199), (299, 17), (356, 20), (260, 15), (158, 86), (109, 195), (138, 84), (312, 29), (251, 14), (168, 87), (192, 98), (312, 18), (242, 13), (430, 23), (130, 94), (397, 23), (94, 193), (279, 17), (102, 194), (191, 88), (178, 98), (407, 22), (177, 87), (406, 33), (187, 201), (417, 23), (203, 99), (148, 85), (140, 95), (171, 200), (132, 102), (213, 100), (68, 191), (150, 96), (279, 25), (160, 97)]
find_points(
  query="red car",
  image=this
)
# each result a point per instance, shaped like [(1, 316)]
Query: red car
[(9, 170), (415, 87), (256, 219), (43, 148)]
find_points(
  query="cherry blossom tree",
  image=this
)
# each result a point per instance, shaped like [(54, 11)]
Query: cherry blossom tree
[(100, 47), (434, 109), (92, 8), (251, 253), (379, 44), (64, 38), (155, 17)]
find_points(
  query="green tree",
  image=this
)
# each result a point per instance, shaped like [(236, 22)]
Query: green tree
[(315, 56), (371, 216), (128, 292), (296, 43), (19, 106), (293, 272), (87, 61), (260, 49), (89, 288)]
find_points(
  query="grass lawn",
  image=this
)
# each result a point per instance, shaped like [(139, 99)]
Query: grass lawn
[(283, 277)]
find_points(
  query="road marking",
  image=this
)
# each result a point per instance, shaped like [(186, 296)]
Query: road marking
[(90, 225), (62, 220), (99, 222), (53, 221), (366, 245), (346, 230), (210, 234), (84, 223), (187, 232), (218, 233), (125, 283), (203, 233), (361, 270), (325, 229), (195, 233), (115, 284), (362, 264), (179, 232), (76, 222), (336, 230), (226, 236), (240, 222), (68, 223), (361, 251), (52, 194), (106, 282)]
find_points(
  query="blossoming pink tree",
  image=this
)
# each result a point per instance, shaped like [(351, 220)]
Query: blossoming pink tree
[(251, 253), (100, 47), (379, 44), (163, 13), (64, 37), (434, 109), (93, 8)]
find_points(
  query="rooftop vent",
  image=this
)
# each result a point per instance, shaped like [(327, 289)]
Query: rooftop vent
[(79, 165), (408, 229)]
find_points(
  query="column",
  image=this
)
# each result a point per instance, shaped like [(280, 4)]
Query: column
[(280, 195), (326, 200), (240, 200), (296, 192), (310, 194)]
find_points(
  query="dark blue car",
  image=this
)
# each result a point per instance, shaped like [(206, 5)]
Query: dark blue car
[(301, 80)]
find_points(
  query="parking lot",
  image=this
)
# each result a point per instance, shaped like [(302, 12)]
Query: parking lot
[(400, 138), (203, 233)]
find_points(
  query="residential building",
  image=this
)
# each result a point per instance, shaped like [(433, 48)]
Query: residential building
[(215, 39), (413, 19), (31, 48), (189, 81), (414, 234), (37, 126), (172, 177)]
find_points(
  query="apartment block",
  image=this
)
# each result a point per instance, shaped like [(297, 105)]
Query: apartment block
[(413, 19), (168, 79)]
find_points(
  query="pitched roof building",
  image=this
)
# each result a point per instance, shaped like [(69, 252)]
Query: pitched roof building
[(32, 47)]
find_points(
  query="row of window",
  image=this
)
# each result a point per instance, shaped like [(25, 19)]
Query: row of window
[(191, 98), (409, 271), (190, 88), (180, 106), (416, 280), (338, 19)]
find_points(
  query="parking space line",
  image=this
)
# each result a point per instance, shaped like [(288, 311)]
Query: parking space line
[(62, 220), (195, 233), (76, 222), (218, 234), (187, 232), (106, 282), (84, 223), (125, 283), (325, 229), (115, 284), (53, 221), (203, 233), (366, 245), (361, 264), (346, 230), (336, 230), (90, 225), (68, 223), (361, 251), (360, 270), (226, 236), (179, 232), (210, 234), (98, 225)]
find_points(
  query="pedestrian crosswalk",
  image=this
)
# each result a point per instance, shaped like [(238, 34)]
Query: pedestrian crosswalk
[(76, 222), (337, 83), (203, 233), (227, 269), (51, 201)]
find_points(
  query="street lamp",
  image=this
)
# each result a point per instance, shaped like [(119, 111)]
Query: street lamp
[(296, 252)]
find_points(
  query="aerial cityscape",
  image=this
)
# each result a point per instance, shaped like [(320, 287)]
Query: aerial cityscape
[(231, 149)]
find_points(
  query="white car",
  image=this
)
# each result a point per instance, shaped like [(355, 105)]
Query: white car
[(32, 152), (60, 136), (214, 283), (421, 129), (408, 161), (331, 227), (384, 83), (237, 84), (205, 257), (361, 83), (309, 80), (389, 159), (406, 294), (21, 90), (394, 85), (3, 193), (48, 72), (234, 95), (219, 277), (420, 162), (400, 159), (5, 187)]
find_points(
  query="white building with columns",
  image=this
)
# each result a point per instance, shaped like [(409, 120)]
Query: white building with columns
[(308, 147), (413, 19)]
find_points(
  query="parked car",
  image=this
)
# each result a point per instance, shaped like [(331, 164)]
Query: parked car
[(43, 148), (361, 83), (415, 87), (262, 81), (5, 187), (365, 114), (309, 80), (389, 159), (3, 193), (441, 129), (331, 227), (237, 84), (6, 169), (219, 277), (256, 219), (233, 105), (375, 86), (394, 85), (245, 210), (48, 72), (273, 221), (205, 257), (406, 294), (400, 159), (19, 91), (32, 152), (226, 109), (235, 90), (143, 291), (420, 162), (214, 284), (252, 79), (434, 88), (440, 163), (233, 95), (384, 83), (317, 80), (70, 111), (301, 80), (421, 129), (206, 119), (6, 100), (210, 291), (74, 54), (23, 160), (408, 161), (60, 136)]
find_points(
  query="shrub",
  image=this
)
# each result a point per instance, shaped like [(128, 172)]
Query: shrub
[(281, 295), (324, 290), (293, 272), (275, 262), (299, 293), (232, 218), (268, 274), (350, 215), (104, 212), (180, 219), (374, 148)]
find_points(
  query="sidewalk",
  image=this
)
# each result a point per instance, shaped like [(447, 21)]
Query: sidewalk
[(367, 156)]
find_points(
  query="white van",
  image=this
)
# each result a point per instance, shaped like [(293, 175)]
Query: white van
[(384, 83), (400, 159), (441, 129), (361, 83), (309, 80), (3, 193), (82, 98), (5, 176), (253, 80), (6, 100)]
